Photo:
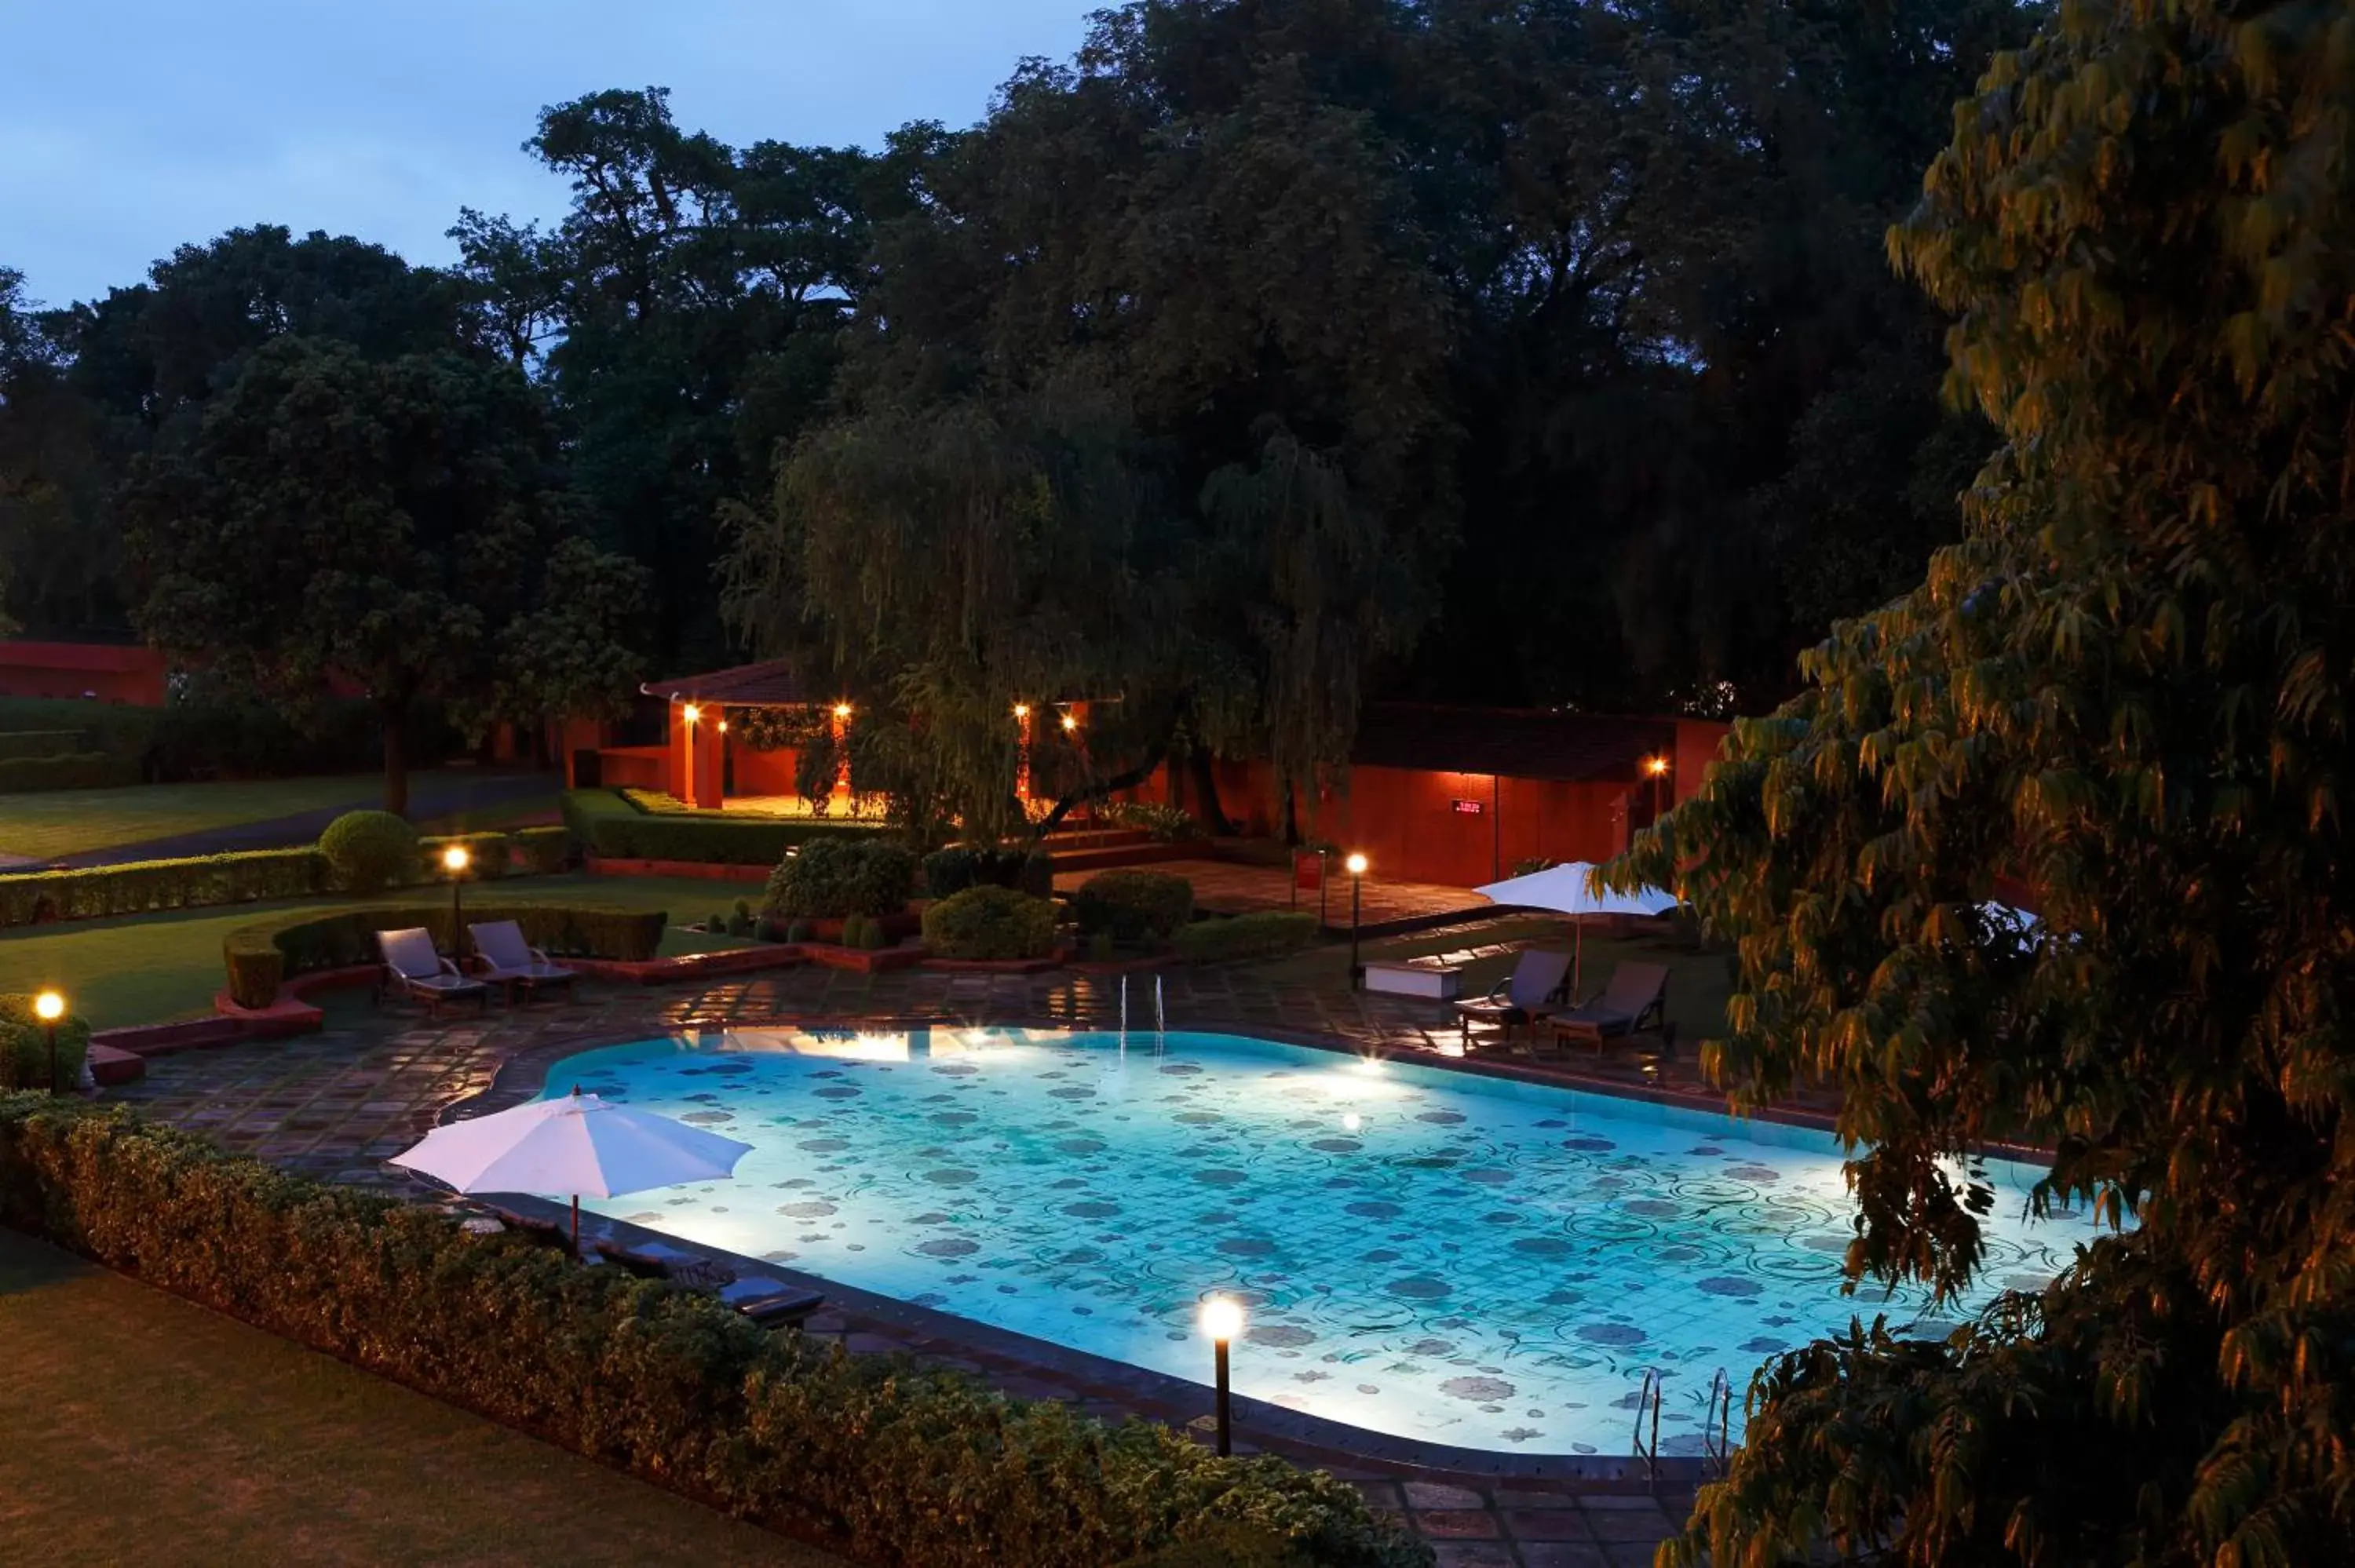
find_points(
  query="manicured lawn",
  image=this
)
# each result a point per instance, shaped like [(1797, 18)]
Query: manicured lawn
[(143, 1429), (531, 812), (154, 967), (54, 823)]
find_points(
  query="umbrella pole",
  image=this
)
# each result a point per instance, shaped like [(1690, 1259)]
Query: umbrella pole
[(1578, 960), (576, 1225)]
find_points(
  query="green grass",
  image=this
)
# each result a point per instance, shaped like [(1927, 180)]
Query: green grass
[(143, 1429), (54, 823), (531, 812), (152, 969)]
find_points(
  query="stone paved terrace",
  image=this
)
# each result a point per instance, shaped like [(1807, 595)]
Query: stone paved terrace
[(336, 1104)]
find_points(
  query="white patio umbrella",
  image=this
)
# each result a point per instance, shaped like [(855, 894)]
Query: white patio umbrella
[(576, 1144), (1569, 889)]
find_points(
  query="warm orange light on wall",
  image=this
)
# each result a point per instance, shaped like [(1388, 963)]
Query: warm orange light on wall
[(842, 710), (1656, 766), (1022, 710), (1070, 720), (723, 727), (690, 713)]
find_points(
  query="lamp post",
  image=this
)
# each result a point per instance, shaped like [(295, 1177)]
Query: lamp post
[(1357, 864), (455, 860), (49, 1007), (1222, 1319)]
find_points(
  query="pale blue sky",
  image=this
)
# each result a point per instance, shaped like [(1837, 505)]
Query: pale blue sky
[(129, 126)]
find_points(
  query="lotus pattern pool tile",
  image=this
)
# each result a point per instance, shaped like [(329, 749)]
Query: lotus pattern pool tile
[(1424, 1253)]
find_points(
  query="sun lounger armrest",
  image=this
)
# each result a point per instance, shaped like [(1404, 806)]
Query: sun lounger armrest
[(539, 956)]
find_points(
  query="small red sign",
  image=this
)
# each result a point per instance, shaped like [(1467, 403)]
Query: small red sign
[(1469, 807)]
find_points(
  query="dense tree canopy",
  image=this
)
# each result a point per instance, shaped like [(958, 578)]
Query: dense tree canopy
[(1538, 354), (2126, 688), (400, 524)]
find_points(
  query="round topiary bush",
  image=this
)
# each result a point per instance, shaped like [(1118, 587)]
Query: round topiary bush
[(368, 850), (830, 879), (990, 923), (1133, 905)]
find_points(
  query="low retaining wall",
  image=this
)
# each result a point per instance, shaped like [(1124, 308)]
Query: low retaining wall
[(697, 870)]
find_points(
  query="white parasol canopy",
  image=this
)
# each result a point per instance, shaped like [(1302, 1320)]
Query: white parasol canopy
[(1570, 889), (576, 1144)]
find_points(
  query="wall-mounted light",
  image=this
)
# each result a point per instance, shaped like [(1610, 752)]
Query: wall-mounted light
[(690, 713), (842, 710), (1022, 710), (1656, 766), (1070, 720)]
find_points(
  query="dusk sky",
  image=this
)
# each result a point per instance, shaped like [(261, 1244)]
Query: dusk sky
[(130, 127)]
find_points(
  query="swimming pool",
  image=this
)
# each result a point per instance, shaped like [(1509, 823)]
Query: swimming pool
[(1424, 1253)]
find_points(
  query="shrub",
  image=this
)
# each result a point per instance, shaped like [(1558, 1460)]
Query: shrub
[(141, 887), (42, 742), (611, 829), (948, 871), (1165, 824), (71, 770), (990, 923), (489, 853), (906, 1464), (25, 1045), (1100, 946), (740, 919), (367, 851), (545, 852), (1266, 934), (834, 877), (1133, 905), (799, 931), (260, 957)]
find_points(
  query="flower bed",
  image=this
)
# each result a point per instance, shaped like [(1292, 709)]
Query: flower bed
[(895, 1463)]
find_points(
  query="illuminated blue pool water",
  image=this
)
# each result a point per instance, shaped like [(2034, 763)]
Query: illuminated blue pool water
[(1424, 1253)]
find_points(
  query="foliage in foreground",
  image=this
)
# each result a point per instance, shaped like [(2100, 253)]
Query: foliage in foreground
[(898, 1464), (990, 923), (2128, 689)]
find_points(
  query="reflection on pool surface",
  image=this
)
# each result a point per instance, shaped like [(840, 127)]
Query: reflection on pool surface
[(1424, 1253)]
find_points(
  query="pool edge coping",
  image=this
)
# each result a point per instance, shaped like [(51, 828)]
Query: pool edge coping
[(1330, 1442)]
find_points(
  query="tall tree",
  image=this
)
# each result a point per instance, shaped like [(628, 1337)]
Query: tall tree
[(2127, 687), (683, 317), (401, 523)]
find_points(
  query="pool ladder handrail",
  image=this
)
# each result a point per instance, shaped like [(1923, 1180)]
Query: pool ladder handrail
[(1649, 1397), (1717, 1425)]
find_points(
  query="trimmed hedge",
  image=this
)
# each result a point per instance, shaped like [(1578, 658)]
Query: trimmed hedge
[(70, 770), (545, 852), (991, 923), (141, 887), (488, 850), (1133, 905), (260, 957), (1266, 934), (19, 743), (25, 1045), (949, 872), (612, 829), (366, 851), (832, 878), (895, 1462)]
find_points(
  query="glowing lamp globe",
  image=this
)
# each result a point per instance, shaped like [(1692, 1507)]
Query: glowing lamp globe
[(1222, 1318), (842, 710), (1357, 864), (455, 859), (49, 1007), (1070, 722), (690, 713)]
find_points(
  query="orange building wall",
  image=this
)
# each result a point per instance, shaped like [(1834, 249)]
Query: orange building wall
[(763, 772)]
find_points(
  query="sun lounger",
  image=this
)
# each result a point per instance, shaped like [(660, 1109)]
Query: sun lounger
[(508, 960), (1635, 997), (781, 1306), (1520, 997), (413, 968)]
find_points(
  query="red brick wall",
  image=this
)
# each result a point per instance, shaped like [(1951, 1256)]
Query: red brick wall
[(107, 673)]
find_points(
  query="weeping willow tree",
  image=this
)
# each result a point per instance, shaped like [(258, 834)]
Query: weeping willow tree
[(949, 564), (2128, 689)]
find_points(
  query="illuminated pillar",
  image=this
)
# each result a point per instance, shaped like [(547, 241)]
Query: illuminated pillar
[(1022, 762), (842, 753)]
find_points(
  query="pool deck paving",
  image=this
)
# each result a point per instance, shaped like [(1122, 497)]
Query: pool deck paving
[(335, 1104)]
